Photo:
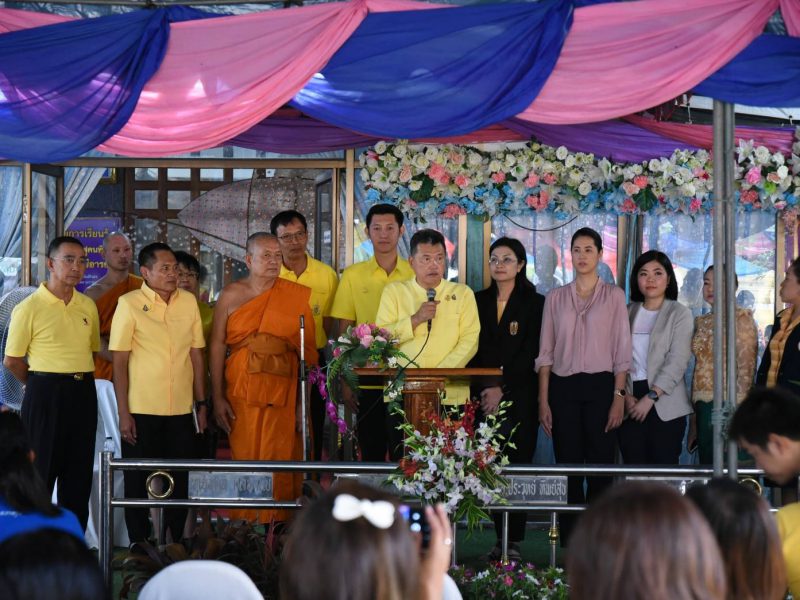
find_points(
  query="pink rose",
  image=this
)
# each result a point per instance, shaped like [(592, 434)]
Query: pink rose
[(780, 205), (436, 171), (372, 154), (628, 206), (411, 205), (749, 196), (753, 175), (452, 211), (695, 205), (630, 188), (700, 173), (337, 352), (405, 174), (544, 196), (640, 180), (462, 180), (538, 203), (367, 340), (532, 180), (549, 178), (360, 331), (774, 177), (456, 157), (444, 179), (498, 177)]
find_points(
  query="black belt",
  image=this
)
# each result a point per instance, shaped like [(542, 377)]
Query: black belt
[(74, 376)]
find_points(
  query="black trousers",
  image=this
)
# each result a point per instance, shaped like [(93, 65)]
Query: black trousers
[(653, 441), (158, 437), (522, 415), (371, 425), (579, 405), (60, 417)]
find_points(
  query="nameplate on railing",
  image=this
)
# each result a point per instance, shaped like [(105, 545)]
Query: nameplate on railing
[(531, 489), (215, 485), (678, 483)]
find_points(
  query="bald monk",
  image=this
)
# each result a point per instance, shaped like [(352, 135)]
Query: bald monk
[(257, 323), (118, 252)]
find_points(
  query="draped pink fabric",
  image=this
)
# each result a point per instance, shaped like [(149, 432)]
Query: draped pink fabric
[(221, 76), (777, 140), (790, 10), (12, 19), (623, 57)]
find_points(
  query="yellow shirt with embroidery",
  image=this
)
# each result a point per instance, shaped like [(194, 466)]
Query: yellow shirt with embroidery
[(56, 337), (360, 289), (777, 345), (323, 283), (158, 336), (454, 332)]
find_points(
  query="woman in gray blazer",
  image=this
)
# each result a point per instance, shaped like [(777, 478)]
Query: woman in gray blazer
[(657, 401)]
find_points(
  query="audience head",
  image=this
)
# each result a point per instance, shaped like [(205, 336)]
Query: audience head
[(428, 257), (587, 251), (767, 425), (384, 227), (118, 251), (643, 540), (188, 272), (48, 563), (263, 255), (292, 231), (508, 260), (747, 536), (20, 484), (708, 283), (790, 286), (746, 299), (373, 557), (652, 275), (66, 260), (158, 268)]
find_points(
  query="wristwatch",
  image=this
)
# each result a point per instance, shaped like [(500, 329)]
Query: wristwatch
[(620, 392), (653, 395)]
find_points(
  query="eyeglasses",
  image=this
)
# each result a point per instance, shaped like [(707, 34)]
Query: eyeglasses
[(71, 260), (293, 237), (428, 260), (505, 261)]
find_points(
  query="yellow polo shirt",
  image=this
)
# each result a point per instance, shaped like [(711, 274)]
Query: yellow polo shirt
[(56, 337), (788, 519), (158, 336), (361, 286), (323, 283), (454, 331)]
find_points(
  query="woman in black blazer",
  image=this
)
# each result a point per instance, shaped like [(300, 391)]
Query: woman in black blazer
[(510, 312)]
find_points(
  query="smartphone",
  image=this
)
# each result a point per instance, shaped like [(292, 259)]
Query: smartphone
[(414, 515)]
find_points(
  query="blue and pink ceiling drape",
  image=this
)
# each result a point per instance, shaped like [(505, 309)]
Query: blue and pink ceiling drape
[(176, 80)]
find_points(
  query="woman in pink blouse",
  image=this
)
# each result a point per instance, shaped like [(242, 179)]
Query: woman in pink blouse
[(583, 363)]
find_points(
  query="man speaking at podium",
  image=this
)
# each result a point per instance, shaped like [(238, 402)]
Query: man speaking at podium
[(435, 320)]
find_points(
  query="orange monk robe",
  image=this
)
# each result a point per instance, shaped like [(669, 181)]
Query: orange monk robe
[(106, 306), (264, 403)]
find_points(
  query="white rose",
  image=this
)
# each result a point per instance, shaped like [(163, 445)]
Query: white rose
[(495, 166), (421, 162), (380, 147), (783, 171), (511, 160), (431, 153), (778, 158), (561, 152), (474, 159), (364, 175), (570, 161), (584, 188), (399, 151), (414, 185), (654, 165)]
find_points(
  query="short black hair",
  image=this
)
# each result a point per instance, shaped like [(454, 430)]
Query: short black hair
[(426, 236), (59, 241), (283, 218), (664, 261), (147, 255), (385, 209), (765, 411), (513, 244), (187, 260), (590, 233), (735, 276)]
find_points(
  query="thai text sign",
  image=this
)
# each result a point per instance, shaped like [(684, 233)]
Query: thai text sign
[(214, 485)]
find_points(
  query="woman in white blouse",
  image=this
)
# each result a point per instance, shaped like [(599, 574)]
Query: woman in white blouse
[(657, 402)]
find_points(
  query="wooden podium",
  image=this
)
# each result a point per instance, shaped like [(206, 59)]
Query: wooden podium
[(422, 388)]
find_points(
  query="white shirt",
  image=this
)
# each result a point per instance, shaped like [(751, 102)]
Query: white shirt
[(640, 332)]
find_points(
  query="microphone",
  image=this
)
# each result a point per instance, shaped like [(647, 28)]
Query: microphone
[(431, 298)]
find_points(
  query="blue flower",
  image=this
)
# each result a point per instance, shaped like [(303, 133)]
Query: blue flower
[(373, 196)]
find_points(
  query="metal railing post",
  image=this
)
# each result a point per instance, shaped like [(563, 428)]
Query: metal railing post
[(106, 541)]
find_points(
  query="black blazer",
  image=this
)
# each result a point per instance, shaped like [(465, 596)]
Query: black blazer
[(515, 353), (789, 370)]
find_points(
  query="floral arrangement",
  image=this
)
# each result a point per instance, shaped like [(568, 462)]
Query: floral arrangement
[(458, 463), (430, 181), (516, 581), (365, 345)]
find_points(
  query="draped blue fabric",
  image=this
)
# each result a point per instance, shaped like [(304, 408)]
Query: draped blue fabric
[(766, 73), (66, 88), (439, 72)]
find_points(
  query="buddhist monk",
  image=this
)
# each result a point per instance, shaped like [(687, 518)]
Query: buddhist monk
[(255, 390), (118, 252)]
